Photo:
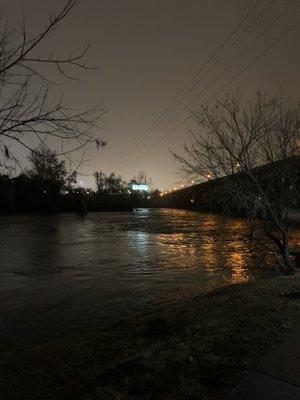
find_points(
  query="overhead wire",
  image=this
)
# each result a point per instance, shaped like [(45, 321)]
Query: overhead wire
[(169, 106), (249, 26), (239, 55), (221, 73), (260, 55)]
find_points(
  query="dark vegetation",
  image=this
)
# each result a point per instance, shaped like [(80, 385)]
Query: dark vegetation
[(194, 349), (252, 148), (31, 195), (47, 187), (211, 196)]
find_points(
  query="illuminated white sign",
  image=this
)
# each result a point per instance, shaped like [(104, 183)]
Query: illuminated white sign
[(140, 188)]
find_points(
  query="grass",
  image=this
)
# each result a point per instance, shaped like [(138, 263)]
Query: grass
[(193, 349)]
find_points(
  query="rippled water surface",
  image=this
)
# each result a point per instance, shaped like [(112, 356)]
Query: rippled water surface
[(60, 273)]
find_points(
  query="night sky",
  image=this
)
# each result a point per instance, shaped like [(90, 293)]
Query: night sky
[(147, 51)]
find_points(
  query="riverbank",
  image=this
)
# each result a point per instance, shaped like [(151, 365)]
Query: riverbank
[(196, 348)]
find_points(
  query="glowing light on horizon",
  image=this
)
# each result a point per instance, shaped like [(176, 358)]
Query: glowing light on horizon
[(140, 188)]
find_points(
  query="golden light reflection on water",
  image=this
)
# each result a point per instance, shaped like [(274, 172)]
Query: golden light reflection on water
[(237, 261), (211, 244), (183, 252), (208, 254), (237, 250), (217, 243)]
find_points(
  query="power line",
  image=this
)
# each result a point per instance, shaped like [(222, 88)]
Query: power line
[(221, 73), (127, 157), (256, 38), (219, 91), (169, 106)]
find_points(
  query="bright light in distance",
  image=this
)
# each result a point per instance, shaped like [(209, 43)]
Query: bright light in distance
[(140, 188)]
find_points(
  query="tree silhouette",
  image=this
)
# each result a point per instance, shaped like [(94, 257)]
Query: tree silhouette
[(47, 167), (254, 149), (28, 112)]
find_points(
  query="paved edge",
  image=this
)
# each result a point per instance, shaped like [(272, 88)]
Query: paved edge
[(277, 376)]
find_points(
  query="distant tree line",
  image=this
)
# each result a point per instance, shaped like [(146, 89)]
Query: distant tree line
[(47, 186), (114, 184)]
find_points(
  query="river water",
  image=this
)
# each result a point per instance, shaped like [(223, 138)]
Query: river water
[(60, 274)]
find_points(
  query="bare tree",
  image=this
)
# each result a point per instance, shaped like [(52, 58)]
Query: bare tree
[(142, 178), (99, 180), (28, 113), (254, 151)]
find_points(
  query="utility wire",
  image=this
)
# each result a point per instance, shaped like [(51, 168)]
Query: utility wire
[(189, 83), (253, 41), (221, 73), (266, 50), (127, 157)]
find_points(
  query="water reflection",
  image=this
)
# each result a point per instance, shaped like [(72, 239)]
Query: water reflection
[(117, 263), (138, 241), (238, 254), (209, 253), (178, 248), (237, 265)]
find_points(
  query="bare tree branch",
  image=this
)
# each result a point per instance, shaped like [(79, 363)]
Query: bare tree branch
[(255, 151), (28, 112)]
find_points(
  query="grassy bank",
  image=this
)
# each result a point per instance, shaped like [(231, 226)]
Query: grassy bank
[(194, 349)]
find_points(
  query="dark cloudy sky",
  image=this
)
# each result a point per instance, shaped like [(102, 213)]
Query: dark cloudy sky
[(147, 50)]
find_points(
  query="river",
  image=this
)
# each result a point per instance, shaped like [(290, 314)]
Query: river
[(60, 274)]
